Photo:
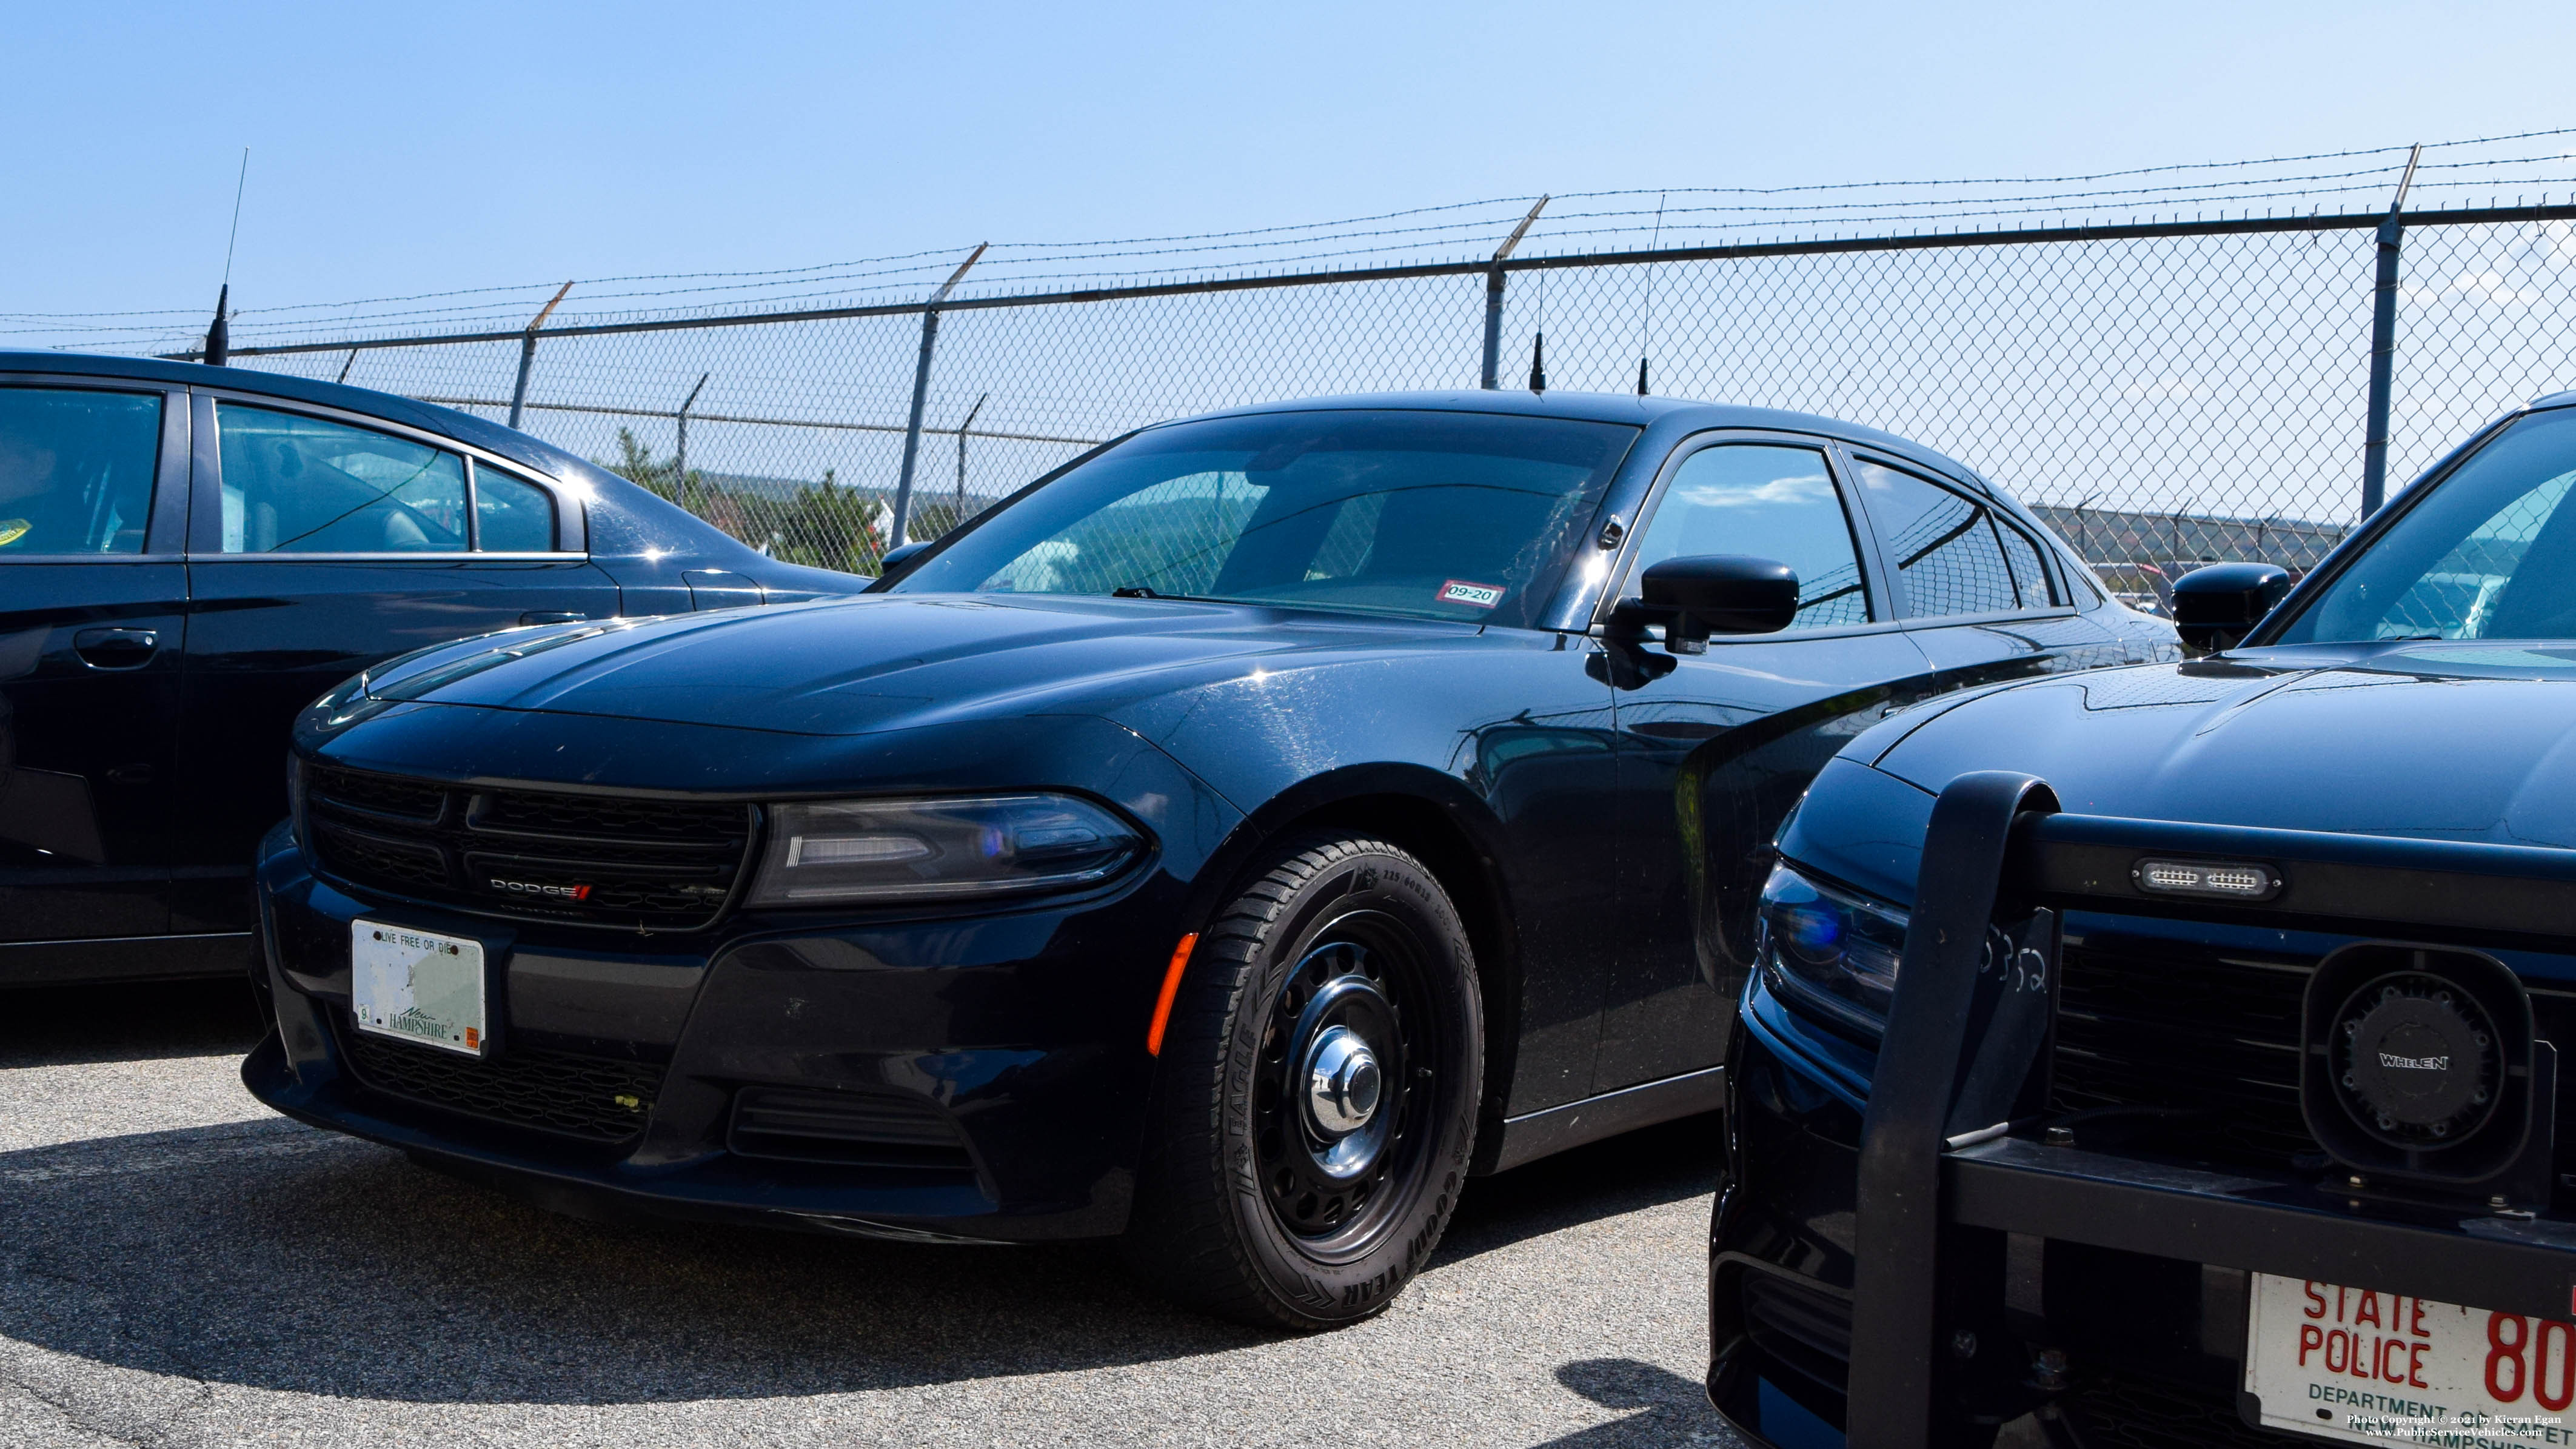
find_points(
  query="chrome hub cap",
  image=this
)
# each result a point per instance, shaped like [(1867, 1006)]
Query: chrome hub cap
[(1341, 1082)]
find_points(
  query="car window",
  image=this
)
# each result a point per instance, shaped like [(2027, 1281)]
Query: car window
[(1467, 516), (1948, 558), (2490, 553), (297, 484), (1767, 502), (511, 515), (76, 469), (2021, 551)]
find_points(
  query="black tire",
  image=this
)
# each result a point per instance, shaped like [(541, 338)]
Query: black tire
[(1267, 1205)]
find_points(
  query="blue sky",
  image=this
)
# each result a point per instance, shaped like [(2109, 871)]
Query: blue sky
[(403, 149)]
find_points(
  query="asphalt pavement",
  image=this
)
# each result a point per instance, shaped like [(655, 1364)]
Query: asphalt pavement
[(181, 1267)]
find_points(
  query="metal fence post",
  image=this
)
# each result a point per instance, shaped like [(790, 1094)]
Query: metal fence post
[(2383, 348), (961, 457), (528, 356), (680, 452), (1492, 376), (899, 532)]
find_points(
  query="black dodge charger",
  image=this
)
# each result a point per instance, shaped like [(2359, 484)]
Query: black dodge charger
[(1233, 841), (189, 554), (2167, 1056)]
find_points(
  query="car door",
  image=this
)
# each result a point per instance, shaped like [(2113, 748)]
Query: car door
[(1714, 748), (1972, 584), (92, 612), (320, 543)]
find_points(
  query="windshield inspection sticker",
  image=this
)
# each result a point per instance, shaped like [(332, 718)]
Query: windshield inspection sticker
[(1482, 596)]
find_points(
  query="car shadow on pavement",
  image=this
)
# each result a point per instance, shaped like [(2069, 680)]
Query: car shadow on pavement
[(266, 1254), (44, 1026), (1642, 1169), (1661, 1407)]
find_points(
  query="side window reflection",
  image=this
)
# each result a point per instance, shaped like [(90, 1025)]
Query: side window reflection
[(511, 515), (76, 469), (1948, 557), (296, 484), (1766, 502)]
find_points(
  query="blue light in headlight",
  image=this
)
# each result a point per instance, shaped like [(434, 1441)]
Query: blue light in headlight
[(1829, 951)]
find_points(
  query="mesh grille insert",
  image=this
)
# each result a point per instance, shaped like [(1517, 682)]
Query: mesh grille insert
[(874, 1129), (600, 1098)]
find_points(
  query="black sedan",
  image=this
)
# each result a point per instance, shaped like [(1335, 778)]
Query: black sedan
[(1233, 841), (2167, 1056), (188, 555)]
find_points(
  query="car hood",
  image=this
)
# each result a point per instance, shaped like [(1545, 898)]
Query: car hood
[(880, 662), (2441, 740)]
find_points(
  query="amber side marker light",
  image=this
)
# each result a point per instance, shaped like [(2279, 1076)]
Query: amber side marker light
[(2208, 879), (1171, 988)]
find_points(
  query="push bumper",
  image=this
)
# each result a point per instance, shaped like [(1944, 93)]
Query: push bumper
[(1884, 1262)]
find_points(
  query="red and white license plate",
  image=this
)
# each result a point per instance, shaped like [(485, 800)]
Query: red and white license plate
[(2348, 1363)]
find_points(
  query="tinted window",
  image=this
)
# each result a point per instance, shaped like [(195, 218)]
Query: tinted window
[(1947, 556), (1768, 502), (76, 469), (2021, 551), (2489, 554), (1439, 515), (511, 515), (295, 484)]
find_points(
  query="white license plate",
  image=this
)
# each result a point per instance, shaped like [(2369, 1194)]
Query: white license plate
[(418, 985), (2382, 1368)]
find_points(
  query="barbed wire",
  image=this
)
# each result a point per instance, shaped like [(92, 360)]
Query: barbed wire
[(1446, 233)]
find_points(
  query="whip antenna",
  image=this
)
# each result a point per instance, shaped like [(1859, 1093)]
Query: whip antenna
[(219, 337), (239, 181), (1646, 317)]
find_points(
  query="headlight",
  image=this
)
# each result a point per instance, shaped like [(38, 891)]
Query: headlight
[(295, 799), (1828, 949), (858, 851)]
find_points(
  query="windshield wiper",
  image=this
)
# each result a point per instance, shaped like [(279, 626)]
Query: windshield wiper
[(1139, 591)]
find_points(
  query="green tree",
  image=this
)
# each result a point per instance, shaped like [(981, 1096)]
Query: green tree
[(635, 462)]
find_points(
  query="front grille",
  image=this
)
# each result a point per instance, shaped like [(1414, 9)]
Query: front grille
[(600, 1098), (599, 860), (1800, 1327), (867, 1129), (2214, 1040), (2132, 1411)]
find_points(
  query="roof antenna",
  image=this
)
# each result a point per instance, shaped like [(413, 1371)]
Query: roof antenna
[(1538, 344), (1646, 319), (219, 338)]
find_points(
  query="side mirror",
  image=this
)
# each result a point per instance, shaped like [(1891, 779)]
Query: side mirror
[(2216, 606), (1713, 594), (895, 558)]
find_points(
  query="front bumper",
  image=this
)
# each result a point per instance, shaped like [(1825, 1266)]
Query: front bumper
[(2082, 1282), (1023, 1030)]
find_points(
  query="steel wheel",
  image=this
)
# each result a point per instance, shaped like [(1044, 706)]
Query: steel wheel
[(1335, 1085)]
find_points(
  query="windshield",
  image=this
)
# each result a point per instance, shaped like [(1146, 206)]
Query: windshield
[(1435, 515), (2489, 554)]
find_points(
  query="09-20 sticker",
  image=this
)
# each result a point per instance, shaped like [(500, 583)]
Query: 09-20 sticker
[(1480, 596)]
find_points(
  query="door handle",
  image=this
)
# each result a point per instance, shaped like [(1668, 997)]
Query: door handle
[(116, 648), (548, 616)]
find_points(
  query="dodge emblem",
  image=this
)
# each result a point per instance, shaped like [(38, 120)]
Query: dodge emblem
[(537, 888)]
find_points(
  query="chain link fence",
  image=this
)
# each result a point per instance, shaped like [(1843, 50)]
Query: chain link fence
[(2162, 392)]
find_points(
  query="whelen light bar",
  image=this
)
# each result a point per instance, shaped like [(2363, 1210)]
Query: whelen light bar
[(2225, 880)]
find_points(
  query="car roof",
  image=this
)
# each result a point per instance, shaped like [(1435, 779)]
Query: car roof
[(1664, 415), (392, 407), (1669, 416)]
